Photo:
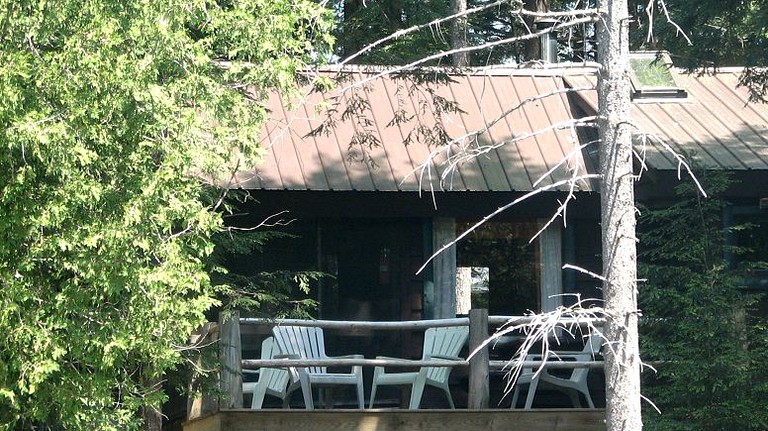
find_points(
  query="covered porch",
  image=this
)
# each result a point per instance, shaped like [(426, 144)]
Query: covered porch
[(477, 384)]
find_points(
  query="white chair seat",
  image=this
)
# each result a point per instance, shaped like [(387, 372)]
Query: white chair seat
[(574, 384), (439, 343), (271, 381), (309, 343)]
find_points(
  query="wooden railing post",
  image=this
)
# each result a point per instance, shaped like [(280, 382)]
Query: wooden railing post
[(201, 403), (479, 391), (231, 361)]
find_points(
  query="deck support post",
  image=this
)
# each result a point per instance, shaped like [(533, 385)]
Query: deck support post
[(202, 403), (231, 361), (479, 386)]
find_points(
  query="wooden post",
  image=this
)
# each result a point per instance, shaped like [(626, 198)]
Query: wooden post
[(231, 361), (479, 391), (202, 403), (551, 260), (444, 267)]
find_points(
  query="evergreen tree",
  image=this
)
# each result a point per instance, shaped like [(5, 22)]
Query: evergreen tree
[(711, 372), (113, 111)]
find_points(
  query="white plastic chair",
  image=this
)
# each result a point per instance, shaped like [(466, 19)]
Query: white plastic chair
[(574, 384), (303, 342), (272, 381), (439, 343)]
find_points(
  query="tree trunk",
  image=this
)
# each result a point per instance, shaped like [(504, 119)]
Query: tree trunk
[(622, 359), (153, 418), (533, 46), (459, 34)]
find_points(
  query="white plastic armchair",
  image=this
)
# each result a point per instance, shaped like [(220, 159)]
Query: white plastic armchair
[(439, 343), (574, 384), (303, 342), (276, 382)]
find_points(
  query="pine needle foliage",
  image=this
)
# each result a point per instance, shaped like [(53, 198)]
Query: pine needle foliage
[(708, 350)]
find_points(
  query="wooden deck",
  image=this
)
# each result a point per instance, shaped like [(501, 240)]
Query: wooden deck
[(401, 420)]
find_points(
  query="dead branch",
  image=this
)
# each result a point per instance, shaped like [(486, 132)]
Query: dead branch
[(682, 163), (649, 11), (500, 210), (545, 328), (437, 22), (271, 221), (441, 54)]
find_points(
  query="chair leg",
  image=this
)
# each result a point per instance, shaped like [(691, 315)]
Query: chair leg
[(373, 395), (448, 395), (588, 396), (360, 393), (306, 390), (531, 393), (258, 396), (417, 390), (515, 394)]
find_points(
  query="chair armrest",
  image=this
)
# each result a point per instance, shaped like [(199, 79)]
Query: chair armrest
[(574, 356), (286, 356), (445, 357), (347, 357)]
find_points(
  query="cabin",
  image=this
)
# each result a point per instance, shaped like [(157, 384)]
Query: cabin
[(426, 195)]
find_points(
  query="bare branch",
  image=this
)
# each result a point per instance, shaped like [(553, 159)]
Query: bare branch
[(543, 329), (507, 112), (271, 221), (464, 154), (584, 271), (441, 54), (682, 163), (439, 21), (649, 11), (500, 210)]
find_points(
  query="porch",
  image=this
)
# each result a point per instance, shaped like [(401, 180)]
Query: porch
[(401, 420), (477, 384)]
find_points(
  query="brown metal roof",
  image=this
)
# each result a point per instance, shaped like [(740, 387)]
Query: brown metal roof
[(716, 124), (364, 148), (514, 151)]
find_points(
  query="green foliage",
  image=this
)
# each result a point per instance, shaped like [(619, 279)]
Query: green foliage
[(708, 352), (109, 108)]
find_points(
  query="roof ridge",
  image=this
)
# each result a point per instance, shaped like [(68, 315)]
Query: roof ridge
[(527, 69)]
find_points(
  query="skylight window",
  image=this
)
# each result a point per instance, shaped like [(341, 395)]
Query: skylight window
[(652, 76)]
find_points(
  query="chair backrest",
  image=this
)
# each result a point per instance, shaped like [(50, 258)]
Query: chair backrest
[(592, 346), (303, 341), (276, 379), (446, 341)]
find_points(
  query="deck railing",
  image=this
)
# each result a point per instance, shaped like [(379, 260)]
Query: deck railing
[(479, 364)]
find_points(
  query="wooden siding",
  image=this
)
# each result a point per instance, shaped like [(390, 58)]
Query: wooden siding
[(402, 420)]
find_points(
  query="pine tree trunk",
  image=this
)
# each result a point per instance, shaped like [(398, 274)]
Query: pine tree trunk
[(622, 361), (459, 34), (533, 46)]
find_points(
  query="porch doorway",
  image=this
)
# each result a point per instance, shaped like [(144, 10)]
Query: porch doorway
[(503, 252)]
